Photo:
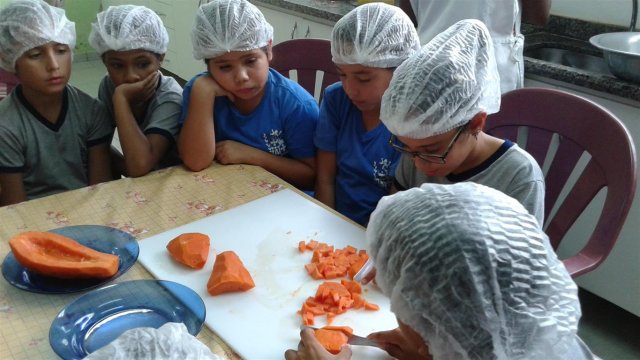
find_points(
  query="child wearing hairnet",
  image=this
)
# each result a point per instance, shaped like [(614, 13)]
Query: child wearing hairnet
[(53, 137), (240, 111), (470, 275), (144, 104), (8, 79), (436, 107), (355, 163)]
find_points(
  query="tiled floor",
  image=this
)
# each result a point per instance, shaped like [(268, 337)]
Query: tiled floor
[(611, 332)]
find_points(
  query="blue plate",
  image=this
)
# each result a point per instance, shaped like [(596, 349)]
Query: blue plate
[(101, 238), (98, 317)]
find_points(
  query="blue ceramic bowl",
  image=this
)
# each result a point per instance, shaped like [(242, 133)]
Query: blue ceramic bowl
[(101, 238), (100, 316)]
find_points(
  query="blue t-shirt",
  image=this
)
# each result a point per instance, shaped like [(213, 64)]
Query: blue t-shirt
[(283, 124), (365, 161)]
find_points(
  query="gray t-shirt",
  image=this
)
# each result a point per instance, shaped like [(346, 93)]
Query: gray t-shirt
[(161, 116), (510, 170), (51, 157)]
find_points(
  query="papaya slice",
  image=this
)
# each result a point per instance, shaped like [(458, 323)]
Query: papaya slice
[(229, 275), (333, 338), (191, 249), (59, 256)]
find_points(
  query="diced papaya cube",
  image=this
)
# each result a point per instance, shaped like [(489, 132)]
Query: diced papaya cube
[(330, 317), (350, 249), (312, 244), (358, 301), (370, 306), (352, 286)]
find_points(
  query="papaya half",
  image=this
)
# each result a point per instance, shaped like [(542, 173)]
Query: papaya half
[(59, 256)]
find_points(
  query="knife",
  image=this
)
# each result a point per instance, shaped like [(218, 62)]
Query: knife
[(355, 339)]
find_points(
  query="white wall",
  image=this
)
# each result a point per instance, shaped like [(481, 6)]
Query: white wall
[(615, 12)]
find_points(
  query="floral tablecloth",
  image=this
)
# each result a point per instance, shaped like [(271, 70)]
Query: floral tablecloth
[(140, 206)]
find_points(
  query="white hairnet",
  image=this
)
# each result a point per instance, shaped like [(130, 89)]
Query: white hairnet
[(451, 79), (27, 24), (128, 27), (375, 35), (223, 26), (470, 270)]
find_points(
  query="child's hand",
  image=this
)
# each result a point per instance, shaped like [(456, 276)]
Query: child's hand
[(232, 152), (399, 345), (207, 85), (138, 92), (310, 349)]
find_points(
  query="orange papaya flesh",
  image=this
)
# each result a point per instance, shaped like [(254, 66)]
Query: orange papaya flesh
[(55, 255), (229, 275), (190, 249)]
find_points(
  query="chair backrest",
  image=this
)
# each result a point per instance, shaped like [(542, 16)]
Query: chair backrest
[(310, 58), (8, 81), (560, 127)]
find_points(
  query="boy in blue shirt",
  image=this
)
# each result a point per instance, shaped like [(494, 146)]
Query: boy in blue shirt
[(240, 111), (53, 137), (355, 162)]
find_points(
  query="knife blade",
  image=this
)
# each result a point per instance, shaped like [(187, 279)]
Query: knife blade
[(361, 341)]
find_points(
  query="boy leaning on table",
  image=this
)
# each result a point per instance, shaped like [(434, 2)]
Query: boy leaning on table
[(53, 137)]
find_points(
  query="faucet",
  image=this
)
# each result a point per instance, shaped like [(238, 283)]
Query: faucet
[(634, 15)]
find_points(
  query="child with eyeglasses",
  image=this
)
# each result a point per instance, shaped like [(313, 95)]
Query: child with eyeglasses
[(436, 107), (355, 164)]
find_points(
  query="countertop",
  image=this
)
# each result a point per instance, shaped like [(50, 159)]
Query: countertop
[(560, 32), (572, 34)]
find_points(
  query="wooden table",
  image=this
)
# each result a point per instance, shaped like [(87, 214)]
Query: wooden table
[(140, 206)]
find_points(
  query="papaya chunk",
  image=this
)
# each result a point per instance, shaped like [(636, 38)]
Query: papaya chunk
[(55, 255), (334, 298), (329, 263), (333, 338), (229, 275), (190, 249)]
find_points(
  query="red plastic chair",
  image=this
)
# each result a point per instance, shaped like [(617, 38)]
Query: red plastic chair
[(8, 81), (307, 57), (566, 126)]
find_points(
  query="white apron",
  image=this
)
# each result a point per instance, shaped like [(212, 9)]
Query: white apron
[(502, 18)]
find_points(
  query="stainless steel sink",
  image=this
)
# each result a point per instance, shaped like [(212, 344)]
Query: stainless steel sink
[(569, 58)]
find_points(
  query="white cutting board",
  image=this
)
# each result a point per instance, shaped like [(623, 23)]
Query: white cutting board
[(262, 323)]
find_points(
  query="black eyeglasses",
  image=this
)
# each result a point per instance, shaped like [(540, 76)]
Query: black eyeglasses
[(432, 158)]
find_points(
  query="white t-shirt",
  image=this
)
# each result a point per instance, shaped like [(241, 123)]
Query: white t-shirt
[(502, 18)]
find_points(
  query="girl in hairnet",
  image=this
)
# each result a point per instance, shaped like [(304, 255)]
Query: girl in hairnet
[(470, 275), (240, 111), (144, 104), (355, 163), (436, 107), (53, 137)]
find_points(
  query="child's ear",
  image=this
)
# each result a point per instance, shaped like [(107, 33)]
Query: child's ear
[(161, 57), (477, 122), (269, 52)]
